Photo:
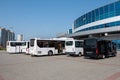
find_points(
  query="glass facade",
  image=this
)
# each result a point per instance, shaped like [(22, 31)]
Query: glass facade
[(107, 11), (117, 44), (70, 31), (112, 24)]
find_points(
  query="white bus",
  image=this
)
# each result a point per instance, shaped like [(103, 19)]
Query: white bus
[(74, 47), (17, 46), (46, 47)]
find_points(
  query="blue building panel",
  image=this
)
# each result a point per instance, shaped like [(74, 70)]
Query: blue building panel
[(70, 31), (107, 11)]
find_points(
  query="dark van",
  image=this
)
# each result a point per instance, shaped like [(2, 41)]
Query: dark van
[(98, 48)]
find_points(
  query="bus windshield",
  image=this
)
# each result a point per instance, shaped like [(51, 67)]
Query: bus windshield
[(32, 42), (69, 43)]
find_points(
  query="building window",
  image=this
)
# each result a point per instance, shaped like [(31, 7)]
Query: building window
[(117, 23), (111, 10), (106, 10), (117, 8), (99, 14), (106, 25)]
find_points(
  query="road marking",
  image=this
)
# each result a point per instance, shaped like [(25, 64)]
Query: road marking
[(115, 76)]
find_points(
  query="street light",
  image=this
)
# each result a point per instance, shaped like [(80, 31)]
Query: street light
[(106, 34)]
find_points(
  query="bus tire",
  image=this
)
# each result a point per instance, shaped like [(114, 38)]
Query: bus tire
[(80, 54), (32, 55), (50, 53)]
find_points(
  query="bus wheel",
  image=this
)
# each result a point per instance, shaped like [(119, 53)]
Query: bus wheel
[(32, 55), (80, 54), (50, 53)]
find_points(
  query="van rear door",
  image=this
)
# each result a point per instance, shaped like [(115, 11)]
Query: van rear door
[(90, 46)]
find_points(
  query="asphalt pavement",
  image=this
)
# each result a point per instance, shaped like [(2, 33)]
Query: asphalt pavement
[(58, 67)]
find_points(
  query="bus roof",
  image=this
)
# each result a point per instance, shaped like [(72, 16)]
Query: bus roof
[(47, 39), (57, 39), (17, 41)]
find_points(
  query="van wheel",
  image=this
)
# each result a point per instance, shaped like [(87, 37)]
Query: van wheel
[(80, 54), (103, 56), (50, 53)]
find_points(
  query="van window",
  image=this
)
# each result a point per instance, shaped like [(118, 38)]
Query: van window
[(69, 43), (78, 44), (90, 42)]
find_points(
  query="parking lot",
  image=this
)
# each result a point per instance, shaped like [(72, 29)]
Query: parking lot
[(58, 67)]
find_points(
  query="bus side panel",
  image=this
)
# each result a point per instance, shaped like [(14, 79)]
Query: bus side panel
[(11, 49), (17, 49), (43, 51), (31, 50), (63, 51), (23, 49)]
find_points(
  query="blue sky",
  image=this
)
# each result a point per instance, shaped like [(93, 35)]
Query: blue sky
[(44, 18)]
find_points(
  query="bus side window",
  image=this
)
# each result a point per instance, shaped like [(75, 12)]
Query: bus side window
[(45, 44), (24, 43), (40, 43), (12, 44), (51, 44)]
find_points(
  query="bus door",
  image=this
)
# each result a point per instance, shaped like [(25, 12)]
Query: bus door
[(62, 46), (28, 46)]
